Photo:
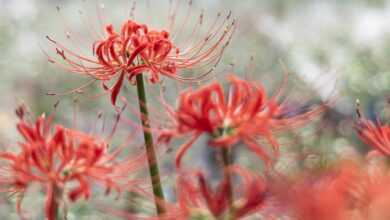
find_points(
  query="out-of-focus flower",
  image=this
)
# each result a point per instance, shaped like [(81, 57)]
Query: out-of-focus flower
[(374, 134), (56, 157), (245, 113), (197, 200), (137, 49), (324, 196), (372, 193)]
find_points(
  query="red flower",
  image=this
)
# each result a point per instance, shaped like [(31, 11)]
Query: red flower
[(374, 134), (329, 195), (60, 156), (373, 193), (244, 114), (136, 49), (197, 199)]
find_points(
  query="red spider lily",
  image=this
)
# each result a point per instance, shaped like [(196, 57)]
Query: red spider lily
[(136, 49), (374, 134), (372, 194), (321, 196), (196, 199), (60, 156), (244, 115)]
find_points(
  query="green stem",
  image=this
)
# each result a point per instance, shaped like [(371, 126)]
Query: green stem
[(53, 202), (226, 163), (150, 151)]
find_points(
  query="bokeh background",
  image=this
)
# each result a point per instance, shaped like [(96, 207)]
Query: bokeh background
[(333, 50)]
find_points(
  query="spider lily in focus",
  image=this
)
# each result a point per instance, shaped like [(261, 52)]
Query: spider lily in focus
[(56, 157), (135, 49), (244, 114)]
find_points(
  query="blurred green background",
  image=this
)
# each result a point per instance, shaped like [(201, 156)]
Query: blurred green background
[(333, 48)]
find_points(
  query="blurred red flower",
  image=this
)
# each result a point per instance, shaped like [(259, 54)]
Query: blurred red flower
[(372, 194), (374, 134), (197, 200), (324, 196)]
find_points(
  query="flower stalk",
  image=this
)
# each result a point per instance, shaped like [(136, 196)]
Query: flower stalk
[(149, 146), (226, 159), (52, 202)]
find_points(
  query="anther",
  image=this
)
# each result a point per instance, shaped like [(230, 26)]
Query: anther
[(208, 37), (229, 15), (201, 16), (61, 53), (56, 104), (358, 112), (100, 115), (50, 39)]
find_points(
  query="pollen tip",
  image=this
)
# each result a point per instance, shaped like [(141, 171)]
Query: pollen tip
[(357, 102), (50, 39), (100, 115), (229, 15), (21, 111), (207, 37), (358, 112), (56, 104)]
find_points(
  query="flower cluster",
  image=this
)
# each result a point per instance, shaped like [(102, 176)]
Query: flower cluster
[(67, 163)]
